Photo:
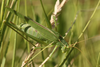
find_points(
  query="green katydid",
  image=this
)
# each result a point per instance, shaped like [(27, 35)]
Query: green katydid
[(43, 32)]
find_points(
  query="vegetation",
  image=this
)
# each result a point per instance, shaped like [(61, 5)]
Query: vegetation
[(77, 23)]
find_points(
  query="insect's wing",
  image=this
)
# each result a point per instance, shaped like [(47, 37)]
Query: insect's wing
[(31, 31), (47, 33), (15, 28)]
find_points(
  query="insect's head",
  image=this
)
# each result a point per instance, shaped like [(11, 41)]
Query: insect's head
[(64, 45)]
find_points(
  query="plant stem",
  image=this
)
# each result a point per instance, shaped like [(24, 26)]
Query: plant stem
[(38, 53), (48, 56)]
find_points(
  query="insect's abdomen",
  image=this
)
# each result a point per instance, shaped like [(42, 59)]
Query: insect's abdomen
[(30, 30)]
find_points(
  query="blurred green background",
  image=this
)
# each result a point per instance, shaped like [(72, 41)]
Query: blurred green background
[(87, 53)]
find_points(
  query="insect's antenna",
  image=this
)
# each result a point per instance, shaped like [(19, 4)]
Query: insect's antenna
[(82, 54), (72, 45), (72, 23)]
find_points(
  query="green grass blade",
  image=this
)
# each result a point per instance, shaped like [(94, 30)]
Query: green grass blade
[(4, 58), (1, 19), (49, 56), (14, 49), (47, 33), (98, 60), (25, 7), (7, 18), (2, 12), (38, 53), (88, 22), (14, 52), (48, 22)]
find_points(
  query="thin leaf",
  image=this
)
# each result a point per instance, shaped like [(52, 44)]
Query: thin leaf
[(48, 22), (7, 18)]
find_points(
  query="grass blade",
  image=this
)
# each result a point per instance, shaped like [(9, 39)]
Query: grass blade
[(4, 58), (48, 22), (49, 56), (2, 12), (7, 18)]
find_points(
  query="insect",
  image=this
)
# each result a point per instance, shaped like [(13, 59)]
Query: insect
[(39, 32)]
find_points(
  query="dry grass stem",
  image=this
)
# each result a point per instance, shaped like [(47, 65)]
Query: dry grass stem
[(57, 9), (44, 62), (10, 7), (29, 56), (48, 56)]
